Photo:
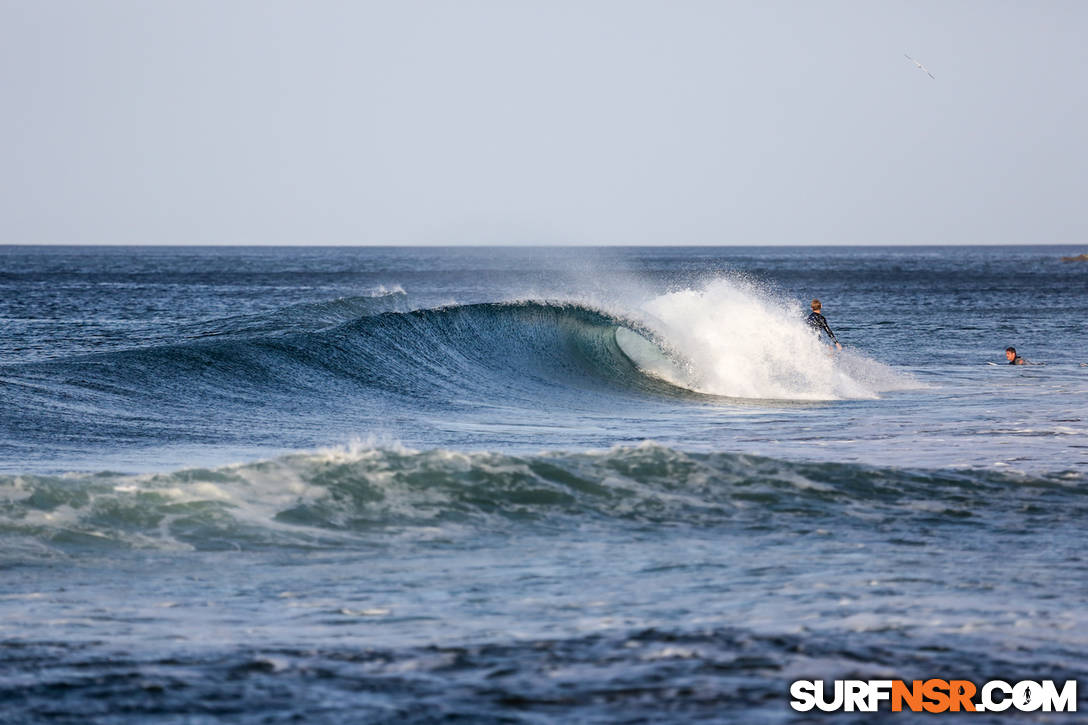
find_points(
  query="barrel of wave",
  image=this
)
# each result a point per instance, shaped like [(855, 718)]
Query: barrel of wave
[(738, 340)]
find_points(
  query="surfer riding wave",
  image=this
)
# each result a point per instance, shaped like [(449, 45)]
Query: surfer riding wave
[(818, 322)]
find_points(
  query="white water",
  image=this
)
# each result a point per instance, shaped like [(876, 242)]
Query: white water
[(733, 339)]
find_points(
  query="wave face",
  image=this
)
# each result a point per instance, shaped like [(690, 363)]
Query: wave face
[(342, 497), (496, 349)]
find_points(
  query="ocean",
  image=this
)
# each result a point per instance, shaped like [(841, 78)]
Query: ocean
[(529, 485)]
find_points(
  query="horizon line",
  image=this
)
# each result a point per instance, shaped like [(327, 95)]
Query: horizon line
[(515, 245)]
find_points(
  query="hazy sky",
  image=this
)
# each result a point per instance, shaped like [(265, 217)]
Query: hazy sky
[(550, 122)]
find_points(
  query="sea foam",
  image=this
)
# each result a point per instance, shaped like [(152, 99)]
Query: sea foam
[(732, 338)]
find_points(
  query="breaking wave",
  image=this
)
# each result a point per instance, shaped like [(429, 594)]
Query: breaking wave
[(737, 340), (725, 340), (369, 496), (308, 374)]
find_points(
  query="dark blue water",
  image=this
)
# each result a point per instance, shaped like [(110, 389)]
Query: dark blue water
[(519, 485)]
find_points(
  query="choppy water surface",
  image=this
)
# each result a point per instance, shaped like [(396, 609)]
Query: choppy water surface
[(518, 485)]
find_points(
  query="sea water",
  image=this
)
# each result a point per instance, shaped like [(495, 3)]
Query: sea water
[(525, 485)]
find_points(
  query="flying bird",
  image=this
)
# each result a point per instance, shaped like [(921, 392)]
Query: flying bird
[(920, 66)]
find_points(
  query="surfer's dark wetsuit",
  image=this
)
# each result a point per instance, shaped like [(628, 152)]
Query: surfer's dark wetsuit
[(819, 323)]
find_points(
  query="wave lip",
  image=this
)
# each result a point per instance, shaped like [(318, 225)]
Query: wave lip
[(310, 316), (376, 496)]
